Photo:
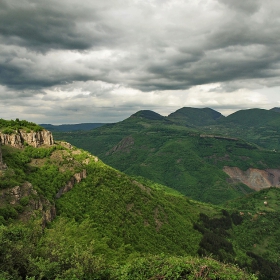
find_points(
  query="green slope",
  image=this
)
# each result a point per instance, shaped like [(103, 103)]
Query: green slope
[(110, 225), (182, 158), (105, 225)]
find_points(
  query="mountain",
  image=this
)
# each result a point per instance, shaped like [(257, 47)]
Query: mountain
[(195, 117), (259, 126), (276, 109), (148, 114), (67, 215), (71, 127), (191, 160), (252, 118)]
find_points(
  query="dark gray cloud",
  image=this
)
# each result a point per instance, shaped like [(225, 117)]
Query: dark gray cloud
[(41, 25), (88, 50), (237, 42)]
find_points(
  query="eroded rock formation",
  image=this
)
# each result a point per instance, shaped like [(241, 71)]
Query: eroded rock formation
[(255, 179), (123, 146), (78, 177), (34, 139), (33, 202)]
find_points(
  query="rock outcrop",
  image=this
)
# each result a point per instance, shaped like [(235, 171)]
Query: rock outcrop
[(34, 139), (77, 178), (255, 179), (34, 203), (123, 146)]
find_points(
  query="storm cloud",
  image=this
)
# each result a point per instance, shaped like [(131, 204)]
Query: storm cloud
[(80, 58)]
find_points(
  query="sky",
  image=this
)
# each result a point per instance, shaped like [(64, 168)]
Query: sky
[(79, 61)]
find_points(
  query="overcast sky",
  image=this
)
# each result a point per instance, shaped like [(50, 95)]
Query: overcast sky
[(74, 61)]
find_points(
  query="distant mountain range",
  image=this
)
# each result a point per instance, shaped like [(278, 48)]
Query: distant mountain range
[(189, 149), (191, 117), (71, 127)]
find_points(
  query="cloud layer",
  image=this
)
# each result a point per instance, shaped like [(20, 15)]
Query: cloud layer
[(72, 61)]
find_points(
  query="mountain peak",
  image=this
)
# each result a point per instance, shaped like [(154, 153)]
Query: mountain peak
[(275, 109), (148, 114), (195, 116)]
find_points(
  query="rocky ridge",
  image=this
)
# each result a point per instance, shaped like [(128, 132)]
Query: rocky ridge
[(77, 178), (33, 138), (25, 195)]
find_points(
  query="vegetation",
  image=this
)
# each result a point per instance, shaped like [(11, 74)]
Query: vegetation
[(180, 157), (9, 127), (105, 220), (113, 226)]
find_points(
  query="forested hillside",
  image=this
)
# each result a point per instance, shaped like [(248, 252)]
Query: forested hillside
[(67, 215), (188, 159)]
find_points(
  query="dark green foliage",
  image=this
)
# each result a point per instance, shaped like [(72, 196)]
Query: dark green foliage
[(236, 218), (215, 231), (267, 269), (8, 212)]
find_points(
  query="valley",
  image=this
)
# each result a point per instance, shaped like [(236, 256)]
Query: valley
[(178, 150)]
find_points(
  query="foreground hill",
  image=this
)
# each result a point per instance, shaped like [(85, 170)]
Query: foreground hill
[(183, 158), (67, 215)]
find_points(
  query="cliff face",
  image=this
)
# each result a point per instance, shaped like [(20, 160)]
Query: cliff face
[(255, 179), (34, 139), (34, 203)]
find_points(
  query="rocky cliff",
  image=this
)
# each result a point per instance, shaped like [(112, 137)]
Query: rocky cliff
[(33, 203), (255, 179), (34, 139)]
